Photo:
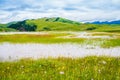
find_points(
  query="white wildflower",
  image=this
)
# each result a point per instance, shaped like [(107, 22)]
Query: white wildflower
[(104, 62), (61, 72), (99, 71), (22, 66), (92, 79)]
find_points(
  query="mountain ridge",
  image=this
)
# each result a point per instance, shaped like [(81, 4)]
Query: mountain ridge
[(106, 22)]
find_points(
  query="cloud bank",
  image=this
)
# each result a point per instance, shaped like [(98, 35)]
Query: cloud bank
[(79, 10)]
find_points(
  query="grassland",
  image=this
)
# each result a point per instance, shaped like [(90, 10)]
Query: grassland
[(61, 37), (57, 24), (88, 68), (43, 25), (57, 31), (3, 28)]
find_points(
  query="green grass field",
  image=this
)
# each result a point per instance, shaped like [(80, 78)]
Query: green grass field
[(58, 37), (88, 68)]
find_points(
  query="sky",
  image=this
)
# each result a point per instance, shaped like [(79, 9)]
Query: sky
[(78, 10)]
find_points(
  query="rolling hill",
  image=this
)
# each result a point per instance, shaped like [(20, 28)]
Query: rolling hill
[(4, 28), (57, 24)]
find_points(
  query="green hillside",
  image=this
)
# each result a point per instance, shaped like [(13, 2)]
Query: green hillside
[(2, 25), (57, 24), (10, 23), (4, 28), (48, 24), (58, 19)]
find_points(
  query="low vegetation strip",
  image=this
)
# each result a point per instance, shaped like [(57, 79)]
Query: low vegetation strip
[(88, 68), (88, 38)]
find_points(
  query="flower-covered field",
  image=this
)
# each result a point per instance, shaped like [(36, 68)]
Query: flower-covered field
[(60, 56), (88, 68)]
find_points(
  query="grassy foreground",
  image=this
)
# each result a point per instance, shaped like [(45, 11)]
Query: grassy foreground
[(88, 68)]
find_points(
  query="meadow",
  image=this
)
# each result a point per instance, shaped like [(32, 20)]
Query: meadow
[(87, 68), (103, 39), (62, 68)]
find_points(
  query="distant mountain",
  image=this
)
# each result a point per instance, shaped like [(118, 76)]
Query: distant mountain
[(107, 22)]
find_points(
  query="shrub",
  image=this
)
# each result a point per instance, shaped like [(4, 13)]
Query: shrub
[(46, 29), (91, 28)]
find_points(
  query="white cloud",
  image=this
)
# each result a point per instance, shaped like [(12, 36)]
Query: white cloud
[(79, 10)]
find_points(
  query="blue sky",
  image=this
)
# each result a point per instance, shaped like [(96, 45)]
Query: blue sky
[(78, 10)]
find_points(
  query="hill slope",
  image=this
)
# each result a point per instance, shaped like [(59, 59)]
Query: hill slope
[(54, 24), (59, 19), (45, 24), (59, 24), (4, 28)]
